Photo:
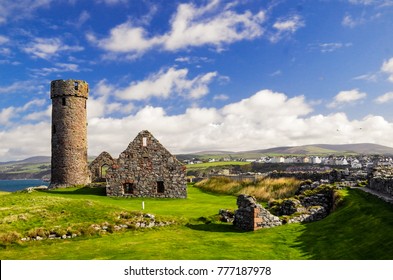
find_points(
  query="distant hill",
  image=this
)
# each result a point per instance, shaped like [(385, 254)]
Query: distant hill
[(316, 149), (321, 149), (30, 160)]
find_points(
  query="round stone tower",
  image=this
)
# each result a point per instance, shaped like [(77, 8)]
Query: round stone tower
[(69, 133)]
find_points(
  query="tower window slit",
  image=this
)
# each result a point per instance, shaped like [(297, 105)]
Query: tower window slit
[(64, 101)]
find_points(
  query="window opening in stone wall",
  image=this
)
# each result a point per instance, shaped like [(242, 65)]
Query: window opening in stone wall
[(63, 101), (53, 129), (144, 142), (129, 188), (76, 85), (160, 187), (103, 170)]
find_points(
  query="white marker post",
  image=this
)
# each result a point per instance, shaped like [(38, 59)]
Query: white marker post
[(143, 205)]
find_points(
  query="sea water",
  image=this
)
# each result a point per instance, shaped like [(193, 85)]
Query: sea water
[(16, 185)]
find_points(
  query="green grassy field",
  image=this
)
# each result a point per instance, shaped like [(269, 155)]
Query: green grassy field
[(362, 228)]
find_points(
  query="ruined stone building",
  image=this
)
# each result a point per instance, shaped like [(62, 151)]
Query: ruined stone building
[(69, 133), (99, 166), (145, 169)]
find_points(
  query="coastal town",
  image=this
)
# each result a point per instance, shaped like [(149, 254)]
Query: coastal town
[(354, 162)]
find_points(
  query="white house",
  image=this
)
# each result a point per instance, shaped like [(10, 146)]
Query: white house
[(316, 160), (278, 160), (341, 161), (356, 163)]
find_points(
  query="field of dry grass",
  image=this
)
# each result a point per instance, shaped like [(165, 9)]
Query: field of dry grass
[(263, 190)]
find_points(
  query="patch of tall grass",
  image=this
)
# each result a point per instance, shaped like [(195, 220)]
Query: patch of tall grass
[(263, 189)]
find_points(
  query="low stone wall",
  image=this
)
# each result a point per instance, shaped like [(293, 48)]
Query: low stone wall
[(313, 203), (313, 176), (382, 185), (252, 216), (331, 176)]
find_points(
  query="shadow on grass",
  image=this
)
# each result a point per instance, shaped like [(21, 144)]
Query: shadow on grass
[(86, 190), (361, 228), (213, 227)]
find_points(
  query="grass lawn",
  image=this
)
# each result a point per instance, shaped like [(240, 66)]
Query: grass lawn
[(362, 228)]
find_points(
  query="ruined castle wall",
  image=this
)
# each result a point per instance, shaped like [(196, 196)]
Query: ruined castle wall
[(252, 216), (147, 169), (96, 166), (381, 180), (69, 133), (381, 184)]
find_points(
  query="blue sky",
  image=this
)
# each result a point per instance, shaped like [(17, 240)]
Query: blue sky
[(200, 75)]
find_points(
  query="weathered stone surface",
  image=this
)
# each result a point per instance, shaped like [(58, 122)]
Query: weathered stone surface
[(226, 216), (252, 216), (381, 180), (69, 133), (314, 203), (97, 165), (146, 169), (289, 206)]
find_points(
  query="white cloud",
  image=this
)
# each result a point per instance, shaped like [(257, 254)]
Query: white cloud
[(83, 17), (221, 97), (47, 48), (10, 9), (291, 25), (126, 38), (100, 104), (384, 98), (362, 2), (193, 59), (9, 113), (286, 26), (265, 119), (113, 2), (23, 141), (349, 21), (165, 83), (19, 86), (347, 97), (331, 47), (191, 26), (371, 77), (387, 67), (6, 114), (59, 68), (40, 115), (3, 39)]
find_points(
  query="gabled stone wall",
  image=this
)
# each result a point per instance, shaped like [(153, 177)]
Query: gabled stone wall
[(147, 169), (96, 166)]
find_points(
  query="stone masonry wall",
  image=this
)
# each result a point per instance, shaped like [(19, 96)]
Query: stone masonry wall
[(69, 133), (95, 167), (147, 169), (252, 216), (312, 204), (381, 180)]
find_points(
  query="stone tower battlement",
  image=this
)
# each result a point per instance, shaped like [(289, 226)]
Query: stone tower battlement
[(63, 88), (69, 133)]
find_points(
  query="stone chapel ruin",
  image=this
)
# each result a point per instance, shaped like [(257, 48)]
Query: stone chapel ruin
[(144, 169)]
